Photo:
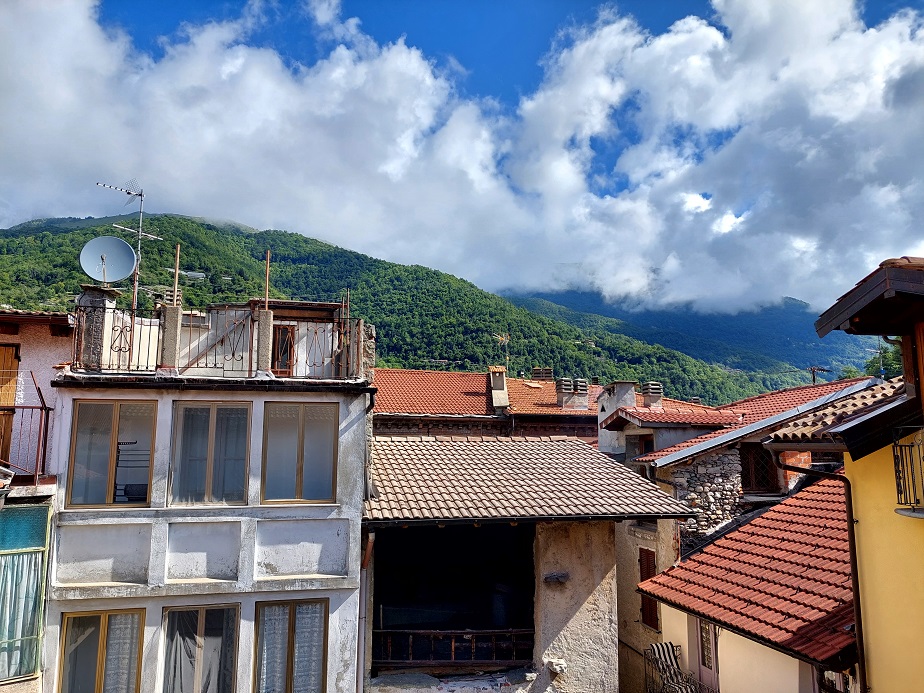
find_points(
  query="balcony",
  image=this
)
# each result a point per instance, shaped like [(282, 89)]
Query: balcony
[(452, 649), (24, 417), (275, 339), (907, 449)]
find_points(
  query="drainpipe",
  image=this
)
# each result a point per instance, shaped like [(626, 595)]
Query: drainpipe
[(852, 547)]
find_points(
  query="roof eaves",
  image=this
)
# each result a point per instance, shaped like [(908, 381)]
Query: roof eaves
[(750, 429)]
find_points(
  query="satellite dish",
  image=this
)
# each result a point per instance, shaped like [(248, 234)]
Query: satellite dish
[(107, 259)]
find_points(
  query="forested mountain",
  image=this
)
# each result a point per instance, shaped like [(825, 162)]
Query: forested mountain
[(424, 318)]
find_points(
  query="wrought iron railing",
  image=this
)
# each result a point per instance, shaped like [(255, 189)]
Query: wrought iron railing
[(907, 448), (24, 417), (219, 342), (117, 340), (452, 648), (663, 677)]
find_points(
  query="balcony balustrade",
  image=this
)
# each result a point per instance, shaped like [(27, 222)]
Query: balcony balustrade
[(907, 449), (451, 649), (24, 417)]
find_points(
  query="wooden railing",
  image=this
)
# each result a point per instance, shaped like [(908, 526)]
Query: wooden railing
[(447, 648)]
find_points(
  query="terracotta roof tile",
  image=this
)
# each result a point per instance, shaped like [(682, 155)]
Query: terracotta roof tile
[(431, 392), (811, 427), (506, 478), (757, 408), (783, 577), (538, 397)]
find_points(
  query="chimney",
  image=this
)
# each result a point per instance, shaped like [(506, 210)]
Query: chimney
[(652, 393), (497, 379), (571, 394), (543, 374), (696, 400)]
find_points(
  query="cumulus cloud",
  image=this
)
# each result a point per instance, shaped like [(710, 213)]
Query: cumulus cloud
[(773, 151)]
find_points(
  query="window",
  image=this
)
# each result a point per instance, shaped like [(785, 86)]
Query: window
[(291, 647), (201, 646), (23, 543), (101, 652), (647, 568), (210, 453), (111, 448), (758, 473), (283, 350), (300, 452)]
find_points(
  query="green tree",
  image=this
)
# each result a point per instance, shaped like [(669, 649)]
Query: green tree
[(891, 361)]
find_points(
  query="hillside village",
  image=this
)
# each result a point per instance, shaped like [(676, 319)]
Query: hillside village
[(238, 499)]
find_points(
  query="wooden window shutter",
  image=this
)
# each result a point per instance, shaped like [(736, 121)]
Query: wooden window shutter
[(647, 568)]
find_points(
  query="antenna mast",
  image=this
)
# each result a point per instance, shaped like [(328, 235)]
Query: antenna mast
[(133, 191)]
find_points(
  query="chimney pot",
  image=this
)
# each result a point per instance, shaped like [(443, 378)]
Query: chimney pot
[(652, 393)]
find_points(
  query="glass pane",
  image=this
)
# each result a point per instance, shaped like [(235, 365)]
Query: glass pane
[(308, 659), (20, 610), (81, 654), (280, 455), (320, 447), (272, 648), (133, 461), (182, 648), (120, 667), (191, 461), (23, 527), (218, 648), (90, 470), (229, 468)]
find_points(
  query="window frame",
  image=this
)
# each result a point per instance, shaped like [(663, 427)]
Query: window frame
[(213, 406), (113, 457), (747, 453), (300, 463), (202, 609), (104, 615), (290, 659), (40, 596)]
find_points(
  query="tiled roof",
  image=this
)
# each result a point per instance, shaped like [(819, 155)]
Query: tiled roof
[(403, 391), (754, 409), (539, 397), (682, 415), (506, 478), (812, 427), (44, 315), (783, 578)]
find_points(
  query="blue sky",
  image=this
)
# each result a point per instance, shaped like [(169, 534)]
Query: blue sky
[(723, 153)]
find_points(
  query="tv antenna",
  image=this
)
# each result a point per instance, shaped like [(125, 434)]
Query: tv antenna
[(504, 341), (134, 192)]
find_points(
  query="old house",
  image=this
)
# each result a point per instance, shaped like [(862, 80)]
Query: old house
[(31, 342), (498, 554), (210, 471), (767, 606), (713, 462)]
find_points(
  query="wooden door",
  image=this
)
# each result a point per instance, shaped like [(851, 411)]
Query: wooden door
[(9, 369)]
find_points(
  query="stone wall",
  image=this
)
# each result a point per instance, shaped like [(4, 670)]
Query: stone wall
[(710, 485)]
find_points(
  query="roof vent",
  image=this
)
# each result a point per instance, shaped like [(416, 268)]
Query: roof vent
[(696, 400), (543, 374), (652, 392), (571, 393)]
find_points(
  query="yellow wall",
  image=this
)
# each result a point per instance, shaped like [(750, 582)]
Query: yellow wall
[(890, 552)]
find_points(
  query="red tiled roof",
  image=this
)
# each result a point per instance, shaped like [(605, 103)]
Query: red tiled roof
[(811, 427), (403, 391), (54, 316), (539, 397), (487, 478), (783, 578), (681, 415), (759, 407)]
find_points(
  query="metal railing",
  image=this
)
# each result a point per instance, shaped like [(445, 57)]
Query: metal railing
[(907, 448), (452, 648), (117, 340), (220, 342), (662, 677), (24, 418)]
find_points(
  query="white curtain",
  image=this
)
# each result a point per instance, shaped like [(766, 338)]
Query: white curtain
[(272, 649), (20, 590), (308, 664), (121, 666), (180, 673)]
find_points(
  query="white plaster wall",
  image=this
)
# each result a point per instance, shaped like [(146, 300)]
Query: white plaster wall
[(746, 666), (341, 635), (675, 628), (191, 549), (106, 553)]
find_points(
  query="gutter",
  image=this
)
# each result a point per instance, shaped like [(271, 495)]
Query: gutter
[(852, 549), (742, 431)]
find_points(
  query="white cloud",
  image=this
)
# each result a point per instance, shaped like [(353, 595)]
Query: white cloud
[(772, 155)]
